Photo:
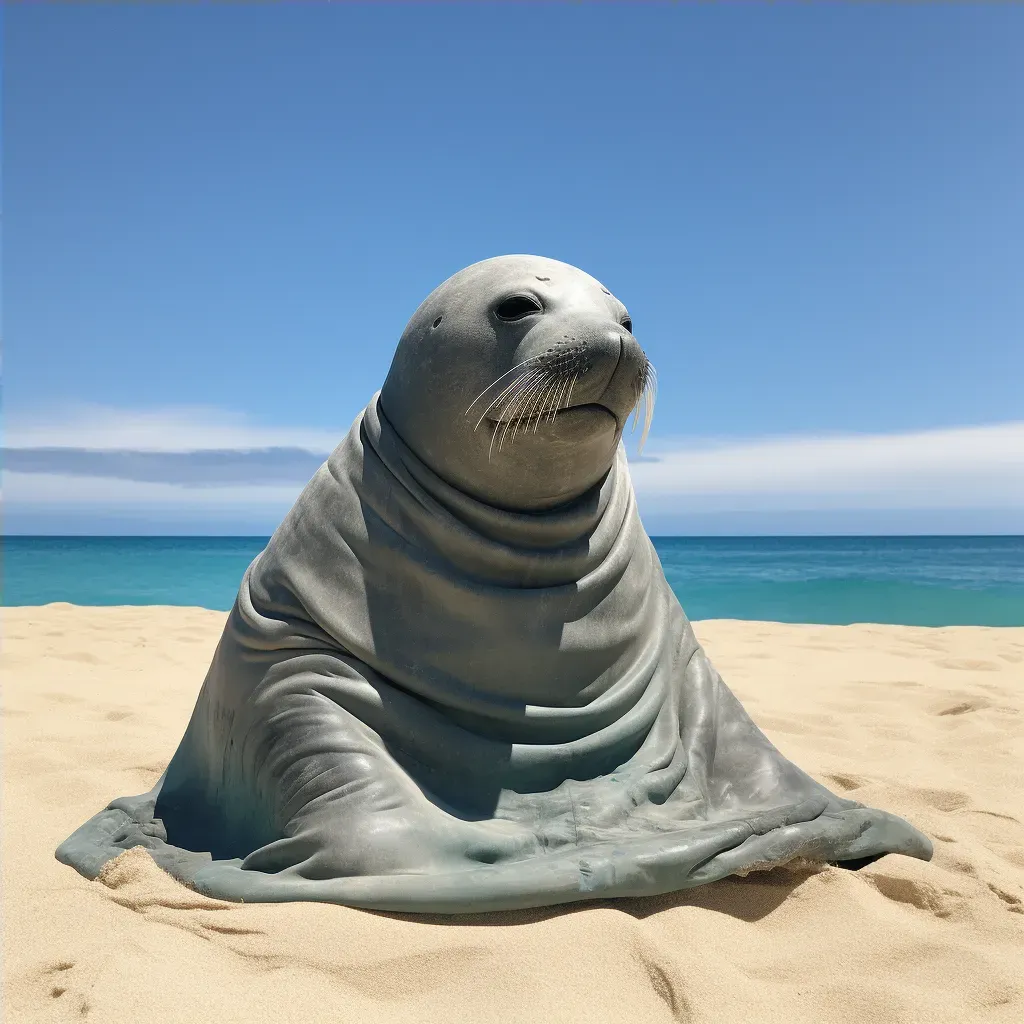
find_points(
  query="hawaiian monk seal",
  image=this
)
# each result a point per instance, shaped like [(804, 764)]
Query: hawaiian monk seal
[(456, 679)]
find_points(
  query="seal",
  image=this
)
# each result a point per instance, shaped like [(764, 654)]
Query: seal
[(456, 679)]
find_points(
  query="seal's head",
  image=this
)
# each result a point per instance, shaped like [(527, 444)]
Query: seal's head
[(514, 380)]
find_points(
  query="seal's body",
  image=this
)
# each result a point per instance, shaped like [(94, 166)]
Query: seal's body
[(456, 679)]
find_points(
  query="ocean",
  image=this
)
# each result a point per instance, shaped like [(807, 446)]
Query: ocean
[(918, 581)]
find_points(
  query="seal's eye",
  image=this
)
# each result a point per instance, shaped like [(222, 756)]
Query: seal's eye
[(627, 323), (517, 307)]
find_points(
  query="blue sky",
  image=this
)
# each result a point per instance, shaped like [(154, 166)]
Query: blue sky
[(218, 219)]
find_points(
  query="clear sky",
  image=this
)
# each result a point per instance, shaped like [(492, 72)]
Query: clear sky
[(218, 219)]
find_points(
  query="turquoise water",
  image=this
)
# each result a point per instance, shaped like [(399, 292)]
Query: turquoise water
[(925, 581)]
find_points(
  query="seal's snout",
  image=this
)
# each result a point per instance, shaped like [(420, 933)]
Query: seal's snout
[(625, 377), (626, 381), (558, 368), (610, 364)]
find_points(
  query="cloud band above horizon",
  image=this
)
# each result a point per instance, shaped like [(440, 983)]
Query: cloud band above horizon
[(204, 462)]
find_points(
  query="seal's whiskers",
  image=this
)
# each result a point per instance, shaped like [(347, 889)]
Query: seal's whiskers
[(510, 390), (497, 380), (541, 388), (638, 390), (568, 400), (548, 397), (530, 408), (648, 395), (645, 390), (501, 376), (560, 396), (512, 411)]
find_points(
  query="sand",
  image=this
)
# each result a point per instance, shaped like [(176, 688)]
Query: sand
[(928, 723)]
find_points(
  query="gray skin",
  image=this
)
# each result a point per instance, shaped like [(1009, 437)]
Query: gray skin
[(588, 370), (456, 679)]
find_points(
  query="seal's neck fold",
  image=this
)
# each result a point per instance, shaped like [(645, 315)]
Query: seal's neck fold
[(525, 549)]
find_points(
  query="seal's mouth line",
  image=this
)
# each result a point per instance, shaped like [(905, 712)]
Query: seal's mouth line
[(585, 407)]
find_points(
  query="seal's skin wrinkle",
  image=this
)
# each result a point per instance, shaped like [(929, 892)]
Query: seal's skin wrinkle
[(456, 679)]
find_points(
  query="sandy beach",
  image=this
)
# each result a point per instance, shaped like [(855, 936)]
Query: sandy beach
[(927, 723)]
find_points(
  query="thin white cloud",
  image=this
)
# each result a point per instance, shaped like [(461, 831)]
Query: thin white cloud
[(173, 429), (964, 467), (51, 490), (225, 467)]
